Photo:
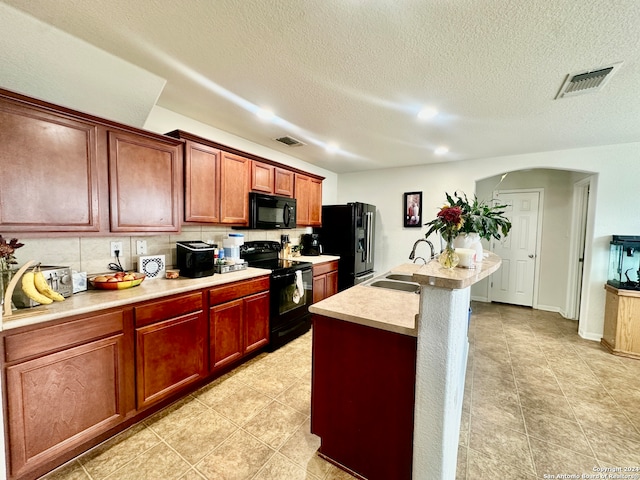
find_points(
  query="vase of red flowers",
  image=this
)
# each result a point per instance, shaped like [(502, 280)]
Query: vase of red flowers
[(448, 223)]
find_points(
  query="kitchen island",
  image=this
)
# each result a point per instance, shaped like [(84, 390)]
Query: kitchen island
[(399, 375)]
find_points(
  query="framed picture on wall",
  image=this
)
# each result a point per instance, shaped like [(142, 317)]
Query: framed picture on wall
[(413, 209)]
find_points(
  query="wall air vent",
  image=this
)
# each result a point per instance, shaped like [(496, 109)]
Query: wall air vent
[(588, 81), (290, 141)]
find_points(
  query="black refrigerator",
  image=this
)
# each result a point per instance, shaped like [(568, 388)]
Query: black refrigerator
[(348, 231)]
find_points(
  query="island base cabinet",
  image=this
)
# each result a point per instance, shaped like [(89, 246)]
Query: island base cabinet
[(61, 400), (362, 397)]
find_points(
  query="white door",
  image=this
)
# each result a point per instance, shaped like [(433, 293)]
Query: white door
[(514, 282)]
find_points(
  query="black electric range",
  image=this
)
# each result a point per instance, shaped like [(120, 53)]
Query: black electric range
[(291, 290)]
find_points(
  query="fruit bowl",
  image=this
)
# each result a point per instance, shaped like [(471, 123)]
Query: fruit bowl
[(117, 281)]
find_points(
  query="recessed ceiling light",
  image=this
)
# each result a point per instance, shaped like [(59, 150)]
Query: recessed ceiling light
[(427, 113), (332, 147), (265, 114), (441, 150)]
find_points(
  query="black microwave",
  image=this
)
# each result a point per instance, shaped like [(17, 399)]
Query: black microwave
[(271, 211)]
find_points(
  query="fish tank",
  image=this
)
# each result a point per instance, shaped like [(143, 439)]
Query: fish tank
[(624, 262)]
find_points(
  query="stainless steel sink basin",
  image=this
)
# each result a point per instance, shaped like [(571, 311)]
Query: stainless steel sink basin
[(400, 276), (394, 285)]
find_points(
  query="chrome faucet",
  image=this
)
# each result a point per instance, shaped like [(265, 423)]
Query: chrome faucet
[(412, 255)]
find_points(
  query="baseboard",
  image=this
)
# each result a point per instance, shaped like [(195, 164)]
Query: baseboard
[(554, 309), (590, 336), (480, 299)]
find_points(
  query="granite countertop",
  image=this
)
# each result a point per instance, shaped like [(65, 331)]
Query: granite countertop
[(395, 310), (315, 258), (435, 275), (390, 310), (94, 300)]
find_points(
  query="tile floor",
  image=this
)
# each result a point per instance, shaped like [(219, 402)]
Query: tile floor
[(538, 401)]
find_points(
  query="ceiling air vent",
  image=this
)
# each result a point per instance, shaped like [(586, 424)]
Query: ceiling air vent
[(290, 141), (587, 81)]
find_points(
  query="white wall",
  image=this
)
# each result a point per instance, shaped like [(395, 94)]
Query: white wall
[(46, 63), (612, 201)]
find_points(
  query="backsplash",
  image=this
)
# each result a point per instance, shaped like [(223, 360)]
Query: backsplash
[(92, 254)]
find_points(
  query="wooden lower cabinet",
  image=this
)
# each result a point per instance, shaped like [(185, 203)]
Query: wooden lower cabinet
[(64, 394), (621, 332), (256, 322), (362, 397), (325, 280), (170, 346), (225, 334), (238, 322), (70, 384)]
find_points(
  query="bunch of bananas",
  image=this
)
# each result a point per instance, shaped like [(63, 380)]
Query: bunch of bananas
[(35, 286)]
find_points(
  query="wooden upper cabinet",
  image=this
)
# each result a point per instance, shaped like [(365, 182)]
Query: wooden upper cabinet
[(262, 177), (202, 183), (270, 179), (145, 183), (283, 183), (50, 171), (315, 202), (235, 182), (309, 201)]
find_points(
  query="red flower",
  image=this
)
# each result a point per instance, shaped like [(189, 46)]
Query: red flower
[(451, 216), (7, 249)]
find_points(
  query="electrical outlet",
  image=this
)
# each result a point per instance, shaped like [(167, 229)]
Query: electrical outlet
[(141, 247), (116, 246)]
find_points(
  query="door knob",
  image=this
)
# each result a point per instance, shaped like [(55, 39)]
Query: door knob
[(531, 256)]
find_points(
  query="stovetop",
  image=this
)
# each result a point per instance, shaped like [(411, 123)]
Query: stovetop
[(264, 254)]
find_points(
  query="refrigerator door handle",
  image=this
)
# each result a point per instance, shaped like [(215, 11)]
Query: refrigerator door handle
[(369, 235)]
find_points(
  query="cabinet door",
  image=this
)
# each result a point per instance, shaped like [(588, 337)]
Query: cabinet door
[(145, 183), (331, 285), (319, 287), (283, 185), (262, 177), (225, 333), (303, 195), (50, 173), (315, 202), (256, 321), (235, 174), (170, 355), (202, 183), (309, 200), (60, 400)]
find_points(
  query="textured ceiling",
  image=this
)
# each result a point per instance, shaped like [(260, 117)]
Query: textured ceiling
[(356, 72)]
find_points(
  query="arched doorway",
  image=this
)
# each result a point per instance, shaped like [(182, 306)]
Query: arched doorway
[(565, 233)]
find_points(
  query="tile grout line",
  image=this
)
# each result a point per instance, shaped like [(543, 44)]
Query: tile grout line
[(515, 381)]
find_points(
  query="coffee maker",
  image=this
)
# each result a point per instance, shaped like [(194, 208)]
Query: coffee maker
[(311, 244)]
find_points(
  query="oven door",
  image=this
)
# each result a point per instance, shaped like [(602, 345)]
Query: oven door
[(291, 296)]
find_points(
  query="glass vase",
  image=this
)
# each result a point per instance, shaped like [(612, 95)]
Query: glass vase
[(448, 257), (6, 274)]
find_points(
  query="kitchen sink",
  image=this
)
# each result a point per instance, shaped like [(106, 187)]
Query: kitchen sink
[(395, 285), (400, 276)]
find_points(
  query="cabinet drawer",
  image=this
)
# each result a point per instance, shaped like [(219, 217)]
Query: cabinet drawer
[(57, 337), (235, 290), (325, 267), (168, 308)]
